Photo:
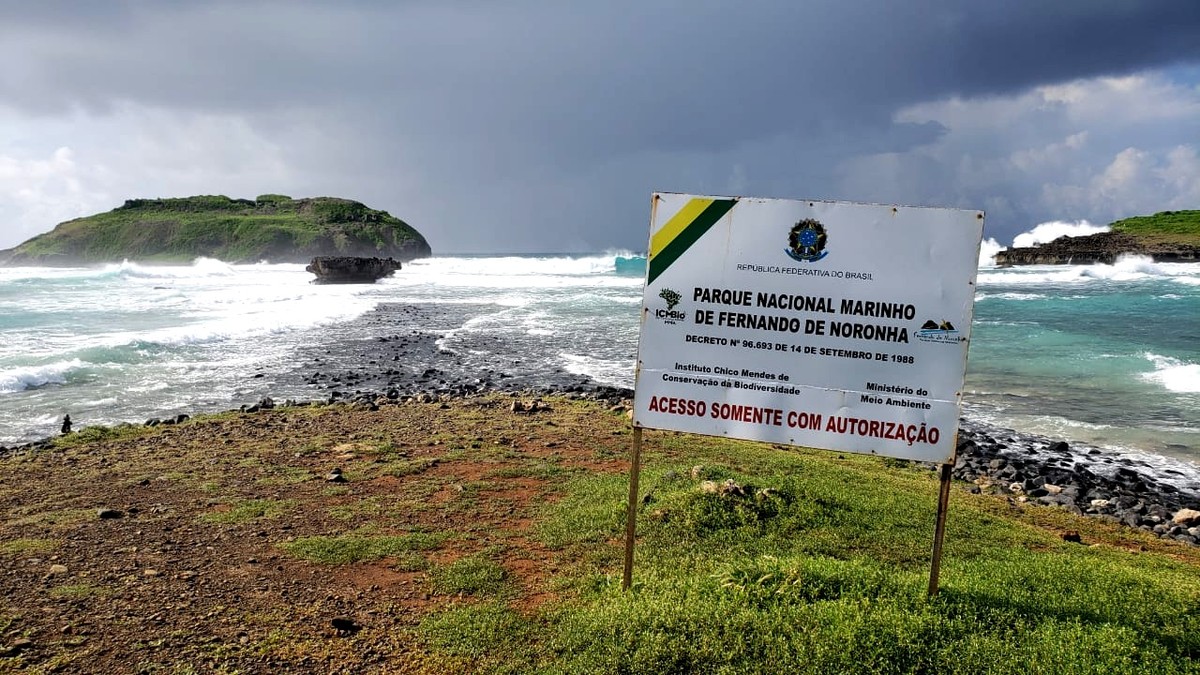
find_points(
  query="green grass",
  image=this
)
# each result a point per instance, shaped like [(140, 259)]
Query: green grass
[(488, 637), (27, 546), (359, 509), (1177, 226), (79, 591), (474, 575), (92, 434), (350, 548), (821, 566), (286, 475), (246, 511), (54, 518)]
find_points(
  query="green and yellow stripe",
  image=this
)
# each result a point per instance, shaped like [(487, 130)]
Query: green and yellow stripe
[(682, 230)]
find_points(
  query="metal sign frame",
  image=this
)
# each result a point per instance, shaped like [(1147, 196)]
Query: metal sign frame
[(832, 325)]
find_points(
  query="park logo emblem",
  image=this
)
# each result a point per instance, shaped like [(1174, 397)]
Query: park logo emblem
[(942, 333), (806, 241), (670, 315)]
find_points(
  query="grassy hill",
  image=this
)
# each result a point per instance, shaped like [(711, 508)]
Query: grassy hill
[(1181, 227), (270, 227)]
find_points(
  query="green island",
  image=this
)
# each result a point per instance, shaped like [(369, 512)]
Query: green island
[(1167, 236), (472, 535), (271, 227)]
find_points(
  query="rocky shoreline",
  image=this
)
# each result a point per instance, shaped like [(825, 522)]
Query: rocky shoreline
[(381, 360), (1085, 481), (1103, 247)]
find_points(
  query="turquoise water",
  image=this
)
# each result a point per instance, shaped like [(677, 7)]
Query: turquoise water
[(1107, 355)]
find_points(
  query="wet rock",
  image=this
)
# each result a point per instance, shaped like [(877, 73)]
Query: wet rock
[(350, 270), (1114, 488)]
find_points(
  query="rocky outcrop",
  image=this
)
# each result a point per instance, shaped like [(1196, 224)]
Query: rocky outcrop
[(271, 228), (351, 270), (1104, 247)]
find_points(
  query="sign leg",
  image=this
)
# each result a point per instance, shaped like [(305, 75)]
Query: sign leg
[(940, 530), (631, 516)]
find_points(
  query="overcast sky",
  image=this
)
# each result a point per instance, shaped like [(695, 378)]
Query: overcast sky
[(543, 126)]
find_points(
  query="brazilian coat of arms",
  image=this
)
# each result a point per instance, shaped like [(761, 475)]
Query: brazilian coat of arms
[(806, 241)]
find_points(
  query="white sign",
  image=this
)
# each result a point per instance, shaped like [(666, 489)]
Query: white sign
[(822, 324)]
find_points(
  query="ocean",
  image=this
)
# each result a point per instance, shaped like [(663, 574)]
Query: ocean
[(1102, 355)]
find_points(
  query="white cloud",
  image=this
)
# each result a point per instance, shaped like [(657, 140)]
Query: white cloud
[(1059, 153), (41, 188), (1098, 149), (1181, 173), (135, 151), (1135, 181)]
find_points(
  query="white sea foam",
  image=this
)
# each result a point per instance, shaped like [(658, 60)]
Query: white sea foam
[(28, 377), (1126, 268), (516, 272), (539, 324), (988, 249), (231, 318), (1047, 232), (1010, 296), (149, 387), (1173, 374), (614, 373), (516, 265), (201, 267)]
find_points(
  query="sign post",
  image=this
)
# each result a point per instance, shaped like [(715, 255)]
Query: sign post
[(631, 517), (939, 532), (811, 323)]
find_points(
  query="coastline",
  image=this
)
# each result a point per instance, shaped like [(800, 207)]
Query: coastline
[(380, 358)]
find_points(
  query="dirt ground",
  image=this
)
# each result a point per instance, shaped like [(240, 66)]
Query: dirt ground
[(180, 549)]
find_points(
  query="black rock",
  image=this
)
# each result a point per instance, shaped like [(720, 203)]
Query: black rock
[(351, 270), (345, 626)]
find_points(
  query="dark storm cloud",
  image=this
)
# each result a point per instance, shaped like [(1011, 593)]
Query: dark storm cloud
[(565, 108)]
